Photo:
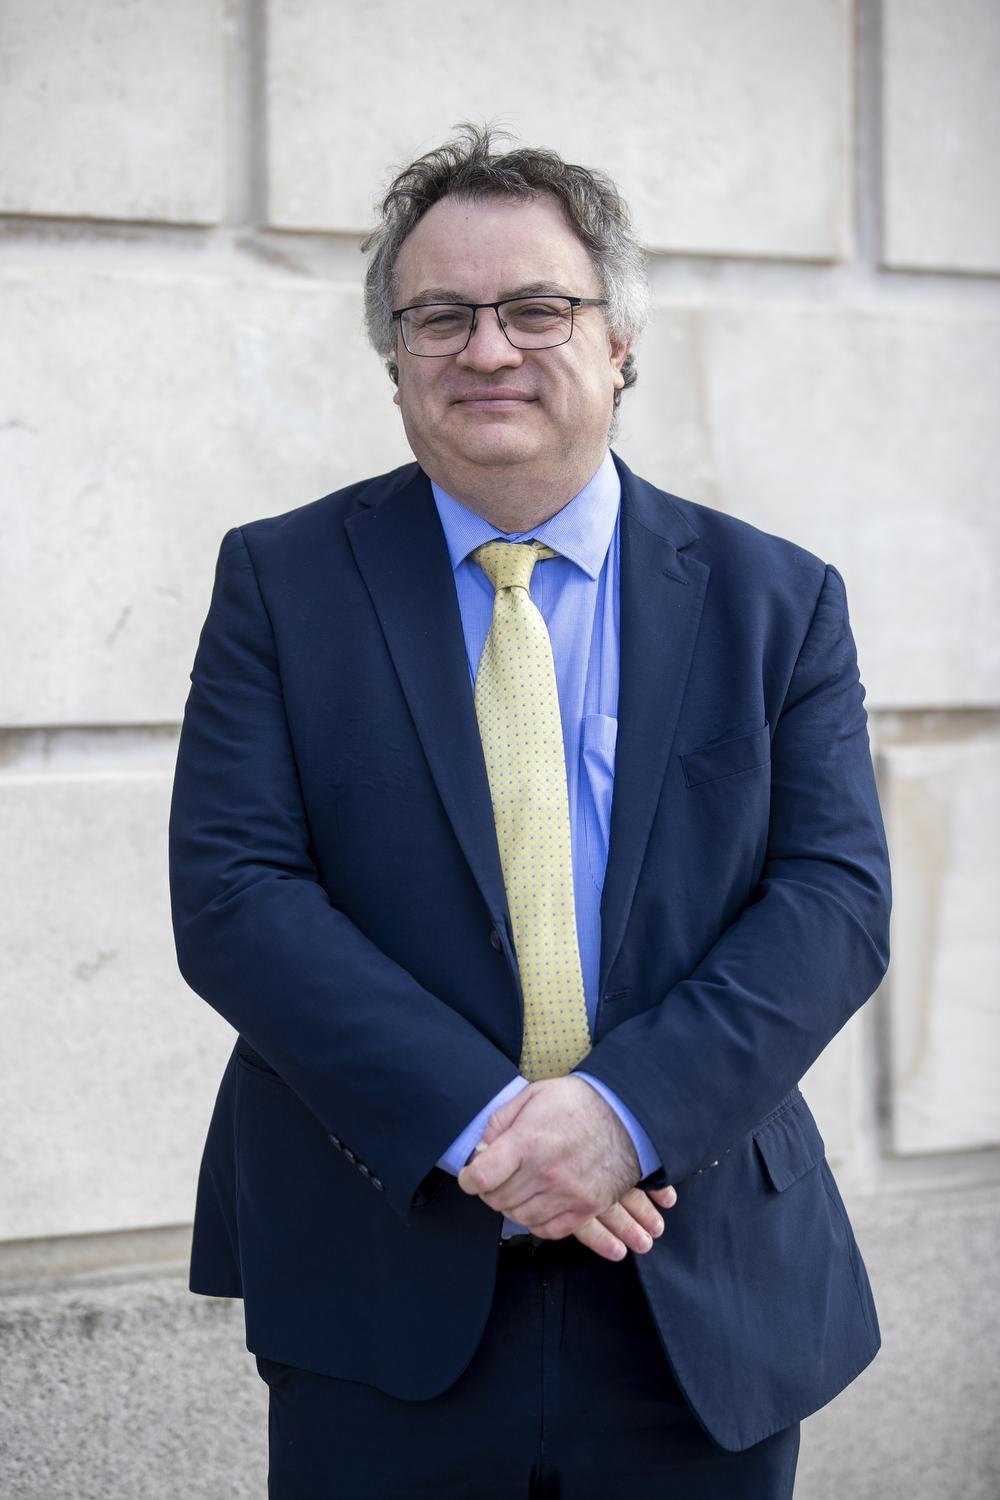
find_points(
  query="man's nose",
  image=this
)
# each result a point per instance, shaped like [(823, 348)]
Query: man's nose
[(489, 348)]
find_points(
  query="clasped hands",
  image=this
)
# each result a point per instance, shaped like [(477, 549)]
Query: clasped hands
[(558, 1160)]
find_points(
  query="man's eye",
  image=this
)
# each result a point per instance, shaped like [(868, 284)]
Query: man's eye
[(439, 320), (535, 313)]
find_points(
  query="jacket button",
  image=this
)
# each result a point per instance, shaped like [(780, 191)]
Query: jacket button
[(350, 1156), (337, 1143), (367, 1171), (495, 939), (375, 1183)]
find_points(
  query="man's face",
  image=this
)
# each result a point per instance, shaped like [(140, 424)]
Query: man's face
[(494, 405)]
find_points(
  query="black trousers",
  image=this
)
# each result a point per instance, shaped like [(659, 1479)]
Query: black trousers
[(569, 1394)]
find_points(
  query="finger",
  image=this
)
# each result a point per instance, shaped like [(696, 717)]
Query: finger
[(618, 1224), (597, 1237), (490, 1168), (622, 1225), (548, 1211), (665, 1197), (636, 1203)]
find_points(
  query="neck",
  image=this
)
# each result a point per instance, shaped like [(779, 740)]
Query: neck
[(514, 497)]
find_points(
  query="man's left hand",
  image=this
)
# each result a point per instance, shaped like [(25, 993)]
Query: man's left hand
[(558, 1160)]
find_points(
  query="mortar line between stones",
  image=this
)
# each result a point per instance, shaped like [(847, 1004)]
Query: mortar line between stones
[(868, 109), (246, 118)]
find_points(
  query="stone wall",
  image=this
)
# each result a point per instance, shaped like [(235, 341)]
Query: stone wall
[(182, 191)]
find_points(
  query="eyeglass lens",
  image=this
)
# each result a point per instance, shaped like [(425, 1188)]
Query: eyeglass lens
[(529, 323)]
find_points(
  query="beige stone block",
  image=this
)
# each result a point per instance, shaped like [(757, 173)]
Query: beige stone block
[(869, 437), (725, 124), (110, 1064), (665, 432), (837, 1092), (113, 109), (141, 416), (941, 121), (942, 807)]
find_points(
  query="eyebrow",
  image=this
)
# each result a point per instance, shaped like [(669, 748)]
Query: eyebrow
[(449, 294)]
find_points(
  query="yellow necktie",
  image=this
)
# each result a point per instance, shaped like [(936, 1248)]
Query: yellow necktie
[(517, 706)]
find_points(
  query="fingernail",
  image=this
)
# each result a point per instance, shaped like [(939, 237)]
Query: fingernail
[(482, 1146), (657, 1229), (619, 1252), (647, 1243)]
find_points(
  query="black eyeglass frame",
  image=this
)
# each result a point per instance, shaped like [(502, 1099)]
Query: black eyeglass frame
[(474, 307)]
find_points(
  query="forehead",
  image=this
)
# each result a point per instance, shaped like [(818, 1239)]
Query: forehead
[(488, 249)]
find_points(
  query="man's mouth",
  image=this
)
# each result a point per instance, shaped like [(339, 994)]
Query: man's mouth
[(493, 398)]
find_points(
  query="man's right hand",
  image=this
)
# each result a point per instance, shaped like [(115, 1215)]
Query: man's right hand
[(557, 1159)]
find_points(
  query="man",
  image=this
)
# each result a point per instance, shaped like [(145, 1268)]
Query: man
[(525, 828)]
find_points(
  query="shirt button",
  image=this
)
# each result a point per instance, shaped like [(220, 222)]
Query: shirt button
[(495, 939)]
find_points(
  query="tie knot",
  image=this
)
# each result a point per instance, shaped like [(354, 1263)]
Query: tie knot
[(509, 565)]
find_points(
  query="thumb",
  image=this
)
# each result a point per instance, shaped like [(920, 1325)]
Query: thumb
[(489, 1168), (503, 1118)]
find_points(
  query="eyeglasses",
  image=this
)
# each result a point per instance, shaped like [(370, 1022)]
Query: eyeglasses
[(435, 329)]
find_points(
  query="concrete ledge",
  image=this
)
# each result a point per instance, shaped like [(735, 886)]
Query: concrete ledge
[(120, 1385), (921, 1422), (43, 1265), (136, 1391)]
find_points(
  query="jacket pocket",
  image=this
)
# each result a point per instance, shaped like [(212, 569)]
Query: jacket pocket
[(727, 758), (789, 1142), (252, 1062)]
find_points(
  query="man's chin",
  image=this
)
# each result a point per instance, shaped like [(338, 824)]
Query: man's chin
[(495, 444)]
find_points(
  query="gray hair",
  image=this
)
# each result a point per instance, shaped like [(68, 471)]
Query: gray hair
[(468, 167)]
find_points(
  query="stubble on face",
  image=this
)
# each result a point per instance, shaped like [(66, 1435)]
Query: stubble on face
[(507, 432)]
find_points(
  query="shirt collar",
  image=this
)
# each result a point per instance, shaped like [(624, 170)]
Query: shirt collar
[(581, 531)]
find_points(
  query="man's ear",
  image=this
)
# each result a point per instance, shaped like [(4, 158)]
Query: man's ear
[(619, 354)]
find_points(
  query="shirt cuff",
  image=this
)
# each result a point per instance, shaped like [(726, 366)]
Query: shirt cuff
[(649, 1159), (462, 1147)]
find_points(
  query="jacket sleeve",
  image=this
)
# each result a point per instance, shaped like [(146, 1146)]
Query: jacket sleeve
[(389, 1070), (725, 1045)]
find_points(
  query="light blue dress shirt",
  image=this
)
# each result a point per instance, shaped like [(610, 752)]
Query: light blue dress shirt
[(577, 596)]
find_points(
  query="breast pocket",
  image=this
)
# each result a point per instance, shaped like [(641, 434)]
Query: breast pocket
[(727, 758)]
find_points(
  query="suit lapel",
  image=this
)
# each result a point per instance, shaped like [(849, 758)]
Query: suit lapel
[(662, 594), (400, 549)]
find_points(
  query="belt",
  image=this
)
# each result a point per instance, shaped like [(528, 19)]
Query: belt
[(528, 1249)]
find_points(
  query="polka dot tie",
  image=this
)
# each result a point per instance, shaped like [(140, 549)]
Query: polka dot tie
[(517, 705)]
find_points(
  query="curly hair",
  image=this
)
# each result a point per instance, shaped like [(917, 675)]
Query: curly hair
[(468, 166)]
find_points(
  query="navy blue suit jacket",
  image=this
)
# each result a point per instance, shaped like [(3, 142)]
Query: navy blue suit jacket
[(337, 892)]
